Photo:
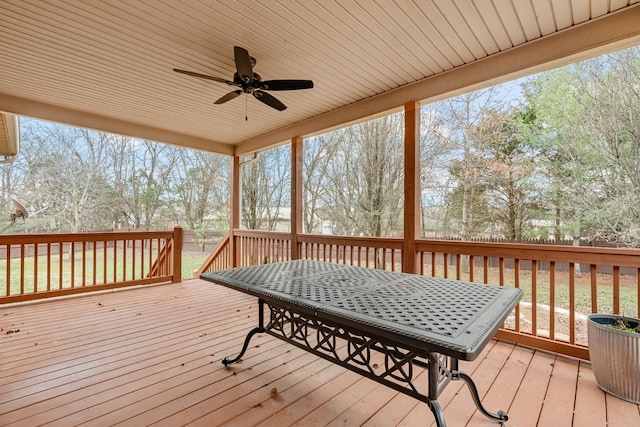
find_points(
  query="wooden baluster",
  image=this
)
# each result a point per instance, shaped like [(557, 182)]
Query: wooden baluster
[(534, 297), (115, 258), (95, 263), (516, 283), (366, 256), (552, 300), (593, 272), (48, 266), (22, 269), (446, 265), (72, 261), (133, 259), (433, 264), (35, 267), (485, 263), (60, 255), (638, 292), (144, 243), (8, 283), (616, 289), (150, 254), (84, 263), (572, 303)]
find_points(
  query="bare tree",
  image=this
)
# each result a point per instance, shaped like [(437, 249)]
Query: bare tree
[(365, 179), (199, 189), (65, 170), (318, 154), (265, 189), (435, 179)]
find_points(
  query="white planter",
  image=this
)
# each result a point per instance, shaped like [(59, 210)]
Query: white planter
[(615, 356)]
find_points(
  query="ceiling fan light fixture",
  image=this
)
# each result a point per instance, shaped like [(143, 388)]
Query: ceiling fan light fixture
[(250, 82)]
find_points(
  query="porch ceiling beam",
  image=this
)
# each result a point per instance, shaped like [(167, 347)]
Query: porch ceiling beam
[(613, 31), (56, 113)]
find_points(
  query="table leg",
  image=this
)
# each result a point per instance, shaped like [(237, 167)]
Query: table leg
[(260, 328), (434, 390), (500, 417)]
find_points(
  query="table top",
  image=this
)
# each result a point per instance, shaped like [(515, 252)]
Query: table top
[(450, 317)]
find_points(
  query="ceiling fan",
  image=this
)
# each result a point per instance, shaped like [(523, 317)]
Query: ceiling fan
[(250, 82)]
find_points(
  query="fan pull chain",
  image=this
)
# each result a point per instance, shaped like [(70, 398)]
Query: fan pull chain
[(246, 107)]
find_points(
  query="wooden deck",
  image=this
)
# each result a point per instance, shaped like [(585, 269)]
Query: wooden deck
[(152, 356)]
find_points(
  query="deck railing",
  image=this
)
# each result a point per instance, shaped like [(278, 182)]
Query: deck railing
[(35, 266), (561, 284)]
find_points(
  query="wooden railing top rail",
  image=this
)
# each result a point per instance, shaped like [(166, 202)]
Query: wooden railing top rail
[(623, 257), (371, 242), (261, 234), (10, 239)]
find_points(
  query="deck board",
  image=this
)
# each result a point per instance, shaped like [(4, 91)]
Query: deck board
[(151, 356), (527, 404)]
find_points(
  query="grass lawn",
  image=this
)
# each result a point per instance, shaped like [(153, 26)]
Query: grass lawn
[(191, 261)]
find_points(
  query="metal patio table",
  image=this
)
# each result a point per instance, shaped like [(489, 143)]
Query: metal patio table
[(388, 326)]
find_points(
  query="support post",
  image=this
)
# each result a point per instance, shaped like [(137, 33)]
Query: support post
[(296, 194), (234, 220), (411, 185), (177, 254)]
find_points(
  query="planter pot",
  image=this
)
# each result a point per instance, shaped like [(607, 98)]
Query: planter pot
[(615, 356)]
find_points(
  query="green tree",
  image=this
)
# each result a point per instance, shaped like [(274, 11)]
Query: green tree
[(467, 163), (508, 174), (591, 114)]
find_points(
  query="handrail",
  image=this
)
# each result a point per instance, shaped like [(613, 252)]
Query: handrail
[(219, 258), (167, 255), (37, 266), (562, 284)]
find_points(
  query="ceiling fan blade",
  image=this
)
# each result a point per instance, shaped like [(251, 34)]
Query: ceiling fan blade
[(270, 100), (243, 64), (203, 76), (228, 97), (286, 84)]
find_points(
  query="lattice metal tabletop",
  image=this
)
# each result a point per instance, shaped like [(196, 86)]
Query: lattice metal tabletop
[(384, 325), (451, 317)]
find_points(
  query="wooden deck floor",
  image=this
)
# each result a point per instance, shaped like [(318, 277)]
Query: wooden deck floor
[(152, 356)]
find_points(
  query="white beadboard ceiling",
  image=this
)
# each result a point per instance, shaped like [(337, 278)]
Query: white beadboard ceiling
[(108, 64)]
